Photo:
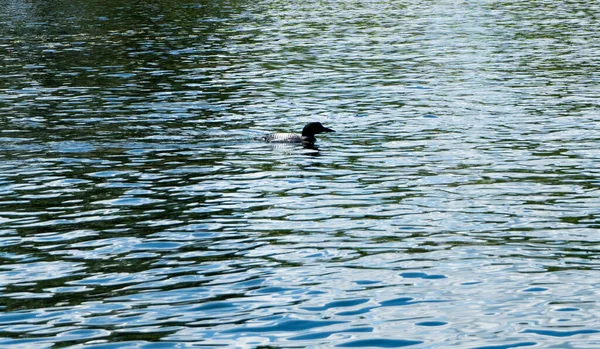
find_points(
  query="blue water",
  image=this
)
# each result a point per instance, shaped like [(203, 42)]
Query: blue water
[(456, 206)]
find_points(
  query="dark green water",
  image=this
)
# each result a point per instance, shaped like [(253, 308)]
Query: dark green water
[(456, 206)]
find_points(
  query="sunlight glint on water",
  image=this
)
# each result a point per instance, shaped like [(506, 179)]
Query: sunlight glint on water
[(456, 205)]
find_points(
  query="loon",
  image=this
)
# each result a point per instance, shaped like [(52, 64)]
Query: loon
[(307, 136)]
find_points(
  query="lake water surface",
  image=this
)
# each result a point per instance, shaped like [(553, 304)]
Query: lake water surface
[(456, 206)]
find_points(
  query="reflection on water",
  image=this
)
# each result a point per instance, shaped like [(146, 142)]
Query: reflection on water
[(456, 205)]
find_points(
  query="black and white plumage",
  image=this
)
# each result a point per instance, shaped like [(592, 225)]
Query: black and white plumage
[(308, 134)]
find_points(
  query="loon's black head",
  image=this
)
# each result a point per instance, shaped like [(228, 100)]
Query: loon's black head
[(313, 128)]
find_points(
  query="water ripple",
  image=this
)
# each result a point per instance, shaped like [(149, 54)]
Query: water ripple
[(456, 205)]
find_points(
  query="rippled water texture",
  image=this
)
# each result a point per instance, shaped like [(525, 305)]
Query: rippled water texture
[(456, 206)]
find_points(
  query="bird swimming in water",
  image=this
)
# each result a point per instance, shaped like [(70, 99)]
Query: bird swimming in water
[(307, 136)]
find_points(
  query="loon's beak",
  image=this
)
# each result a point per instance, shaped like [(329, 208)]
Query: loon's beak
[(325, 129)]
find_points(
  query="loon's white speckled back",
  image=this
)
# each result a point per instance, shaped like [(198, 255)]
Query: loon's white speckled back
[(283, 138)]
